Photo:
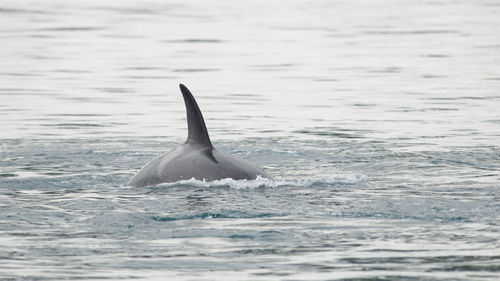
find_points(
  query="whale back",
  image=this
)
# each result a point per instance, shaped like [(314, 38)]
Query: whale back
[(197, 158)]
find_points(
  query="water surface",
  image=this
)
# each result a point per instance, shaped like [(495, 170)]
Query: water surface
[(378, 120)]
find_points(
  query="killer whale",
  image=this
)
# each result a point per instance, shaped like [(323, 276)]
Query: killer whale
[(196, 158)]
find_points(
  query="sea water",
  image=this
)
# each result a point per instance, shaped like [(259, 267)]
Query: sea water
[(378, 120)]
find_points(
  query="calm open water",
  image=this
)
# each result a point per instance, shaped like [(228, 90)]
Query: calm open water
[(379, 121)]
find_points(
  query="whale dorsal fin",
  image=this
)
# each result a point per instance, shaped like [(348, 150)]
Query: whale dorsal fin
[(197, 131)]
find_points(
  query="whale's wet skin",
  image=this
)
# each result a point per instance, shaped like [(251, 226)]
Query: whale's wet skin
[(378, 121), (196, 158)]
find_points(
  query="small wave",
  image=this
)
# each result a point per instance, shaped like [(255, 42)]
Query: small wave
[(261, 182), (228, 215)]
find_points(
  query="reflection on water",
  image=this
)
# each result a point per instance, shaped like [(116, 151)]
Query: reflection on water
[(378, 120)]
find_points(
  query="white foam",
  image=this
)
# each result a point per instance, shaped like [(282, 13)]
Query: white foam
[(263, 182)]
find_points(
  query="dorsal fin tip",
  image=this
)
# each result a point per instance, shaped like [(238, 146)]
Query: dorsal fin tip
[(197, 130)]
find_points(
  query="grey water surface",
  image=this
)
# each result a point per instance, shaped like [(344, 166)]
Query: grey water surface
[(378, 120)]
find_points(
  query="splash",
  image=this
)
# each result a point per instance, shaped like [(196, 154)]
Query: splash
[(261, 182)]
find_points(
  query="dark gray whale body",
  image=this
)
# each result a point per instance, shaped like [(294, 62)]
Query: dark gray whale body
[(196, 158)]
